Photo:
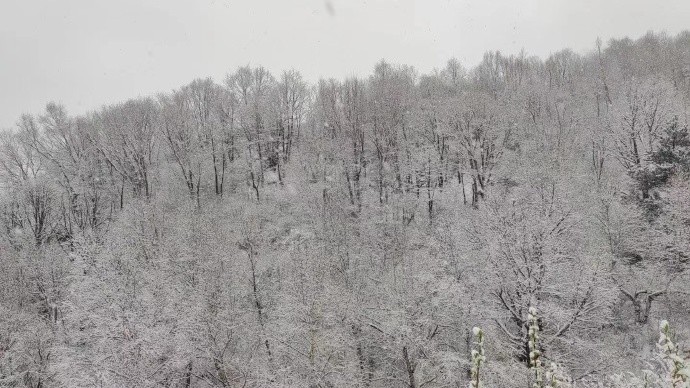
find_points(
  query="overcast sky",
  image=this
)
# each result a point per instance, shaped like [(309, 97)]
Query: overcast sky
[(86, 53)]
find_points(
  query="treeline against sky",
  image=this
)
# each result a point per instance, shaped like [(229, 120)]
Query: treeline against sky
[(263, 231)]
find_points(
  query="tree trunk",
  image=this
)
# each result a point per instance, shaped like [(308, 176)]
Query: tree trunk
[(410, 367)]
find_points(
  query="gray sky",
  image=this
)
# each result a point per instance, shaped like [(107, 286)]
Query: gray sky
[(86, 53)]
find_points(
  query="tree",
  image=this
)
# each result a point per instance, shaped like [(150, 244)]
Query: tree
[(648, 111), (125, 137), (255, 89), (532, 242), (292, 92)]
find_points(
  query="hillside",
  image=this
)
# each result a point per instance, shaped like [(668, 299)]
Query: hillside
[(259, 231)]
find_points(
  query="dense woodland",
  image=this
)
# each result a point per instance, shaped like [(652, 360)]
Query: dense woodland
[(261, 231)]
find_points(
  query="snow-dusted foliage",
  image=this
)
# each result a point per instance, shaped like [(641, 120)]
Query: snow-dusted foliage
[(522, 223)]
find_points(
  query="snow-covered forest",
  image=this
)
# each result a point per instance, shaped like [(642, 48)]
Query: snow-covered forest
[(521, 223)]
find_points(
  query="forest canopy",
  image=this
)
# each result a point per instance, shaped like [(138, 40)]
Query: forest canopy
[(379, 231)]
